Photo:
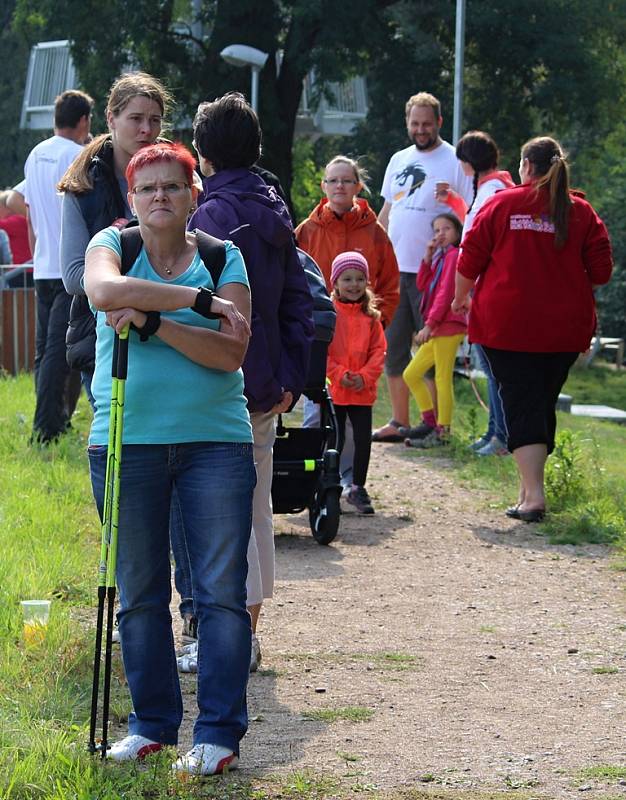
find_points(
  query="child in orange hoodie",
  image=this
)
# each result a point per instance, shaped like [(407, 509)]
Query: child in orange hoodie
[(355, 362)]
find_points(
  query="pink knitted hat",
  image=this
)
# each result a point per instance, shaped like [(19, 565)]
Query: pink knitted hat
[(349, 260)]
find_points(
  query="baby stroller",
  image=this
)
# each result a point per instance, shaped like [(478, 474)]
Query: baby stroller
[(306, 461)]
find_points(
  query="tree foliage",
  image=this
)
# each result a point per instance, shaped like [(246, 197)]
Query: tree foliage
[(545, 67), (16, 144), (604, 167), (159, 37)]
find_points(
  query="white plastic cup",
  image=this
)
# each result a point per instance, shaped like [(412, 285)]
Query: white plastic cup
[(36, 615), (441, 188)]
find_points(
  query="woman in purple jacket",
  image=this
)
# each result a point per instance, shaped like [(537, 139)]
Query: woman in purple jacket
[(239, 206)]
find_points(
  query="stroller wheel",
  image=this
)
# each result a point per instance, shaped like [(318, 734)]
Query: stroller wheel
[(324, 516)]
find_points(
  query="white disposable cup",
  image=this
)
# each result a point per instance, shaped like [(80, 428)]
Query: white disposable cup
[(36, 615)]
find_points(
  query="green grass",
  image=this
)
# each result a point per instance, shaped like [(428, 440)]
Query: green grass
[(599, 385), (595, 509), (604, 772), (605, 670), (49, 539), (347, 713)]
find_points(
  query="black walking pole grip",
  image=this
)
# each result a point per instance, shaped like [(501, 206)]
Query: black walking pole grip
[(122, 356), (116, 351)]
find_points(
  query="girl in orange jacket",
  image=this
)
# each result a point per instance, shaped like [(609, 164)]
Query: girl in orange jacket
[(343, 221), (355, 362)]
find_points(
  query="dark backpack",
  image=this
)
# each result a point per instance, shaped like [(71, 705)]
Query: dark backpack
[(81, 334), (324, 317), (212, 251)]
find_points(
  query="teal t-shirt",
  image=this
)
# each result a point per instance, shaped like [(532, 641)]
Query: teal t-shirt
[(169, 398)]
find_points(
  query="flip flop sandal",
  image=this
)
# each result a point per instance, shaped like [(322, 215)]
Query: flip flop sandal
[(389, 437)]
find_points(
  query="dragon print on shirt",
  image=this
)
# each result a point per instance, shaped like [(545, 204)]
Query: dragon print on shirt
[(414, 175)]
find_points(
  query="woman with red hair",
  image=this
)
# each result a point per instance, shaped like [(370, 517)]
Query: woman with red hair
[(187, 341)]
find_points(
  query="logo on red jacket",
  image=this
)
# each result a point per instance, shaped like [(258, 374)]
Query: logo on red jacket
[(540, 223)]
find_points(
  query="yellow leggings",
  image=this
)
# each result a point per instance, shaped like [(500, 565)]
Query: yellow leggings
[(440, 351)]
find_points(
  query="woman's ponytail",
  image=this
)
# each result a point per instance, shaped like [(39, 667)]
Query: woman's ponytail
[(475, 187), (76, 178), (550, 171)]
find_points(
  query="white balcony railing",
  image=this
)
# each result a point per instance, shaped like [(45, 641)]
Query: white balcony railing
[(50, 72), (339, 114)]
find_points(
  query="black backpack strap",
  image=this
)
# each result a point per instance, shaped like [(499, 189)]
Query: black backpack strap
[(213, 253), (131, 241)]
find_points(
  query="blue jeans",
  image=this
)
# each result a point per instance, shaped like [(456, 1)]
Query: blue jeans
[(214, 483), (86, 379), (182, 567), (496, 426)]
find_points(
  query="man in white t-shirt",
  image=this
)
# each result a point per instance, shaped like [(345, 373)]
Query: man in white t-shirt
[(409, 210), (44, 168)]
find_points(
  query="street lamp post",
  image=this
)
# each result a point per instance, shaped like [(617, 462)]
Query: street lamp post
[(241, 55), (459, 60)]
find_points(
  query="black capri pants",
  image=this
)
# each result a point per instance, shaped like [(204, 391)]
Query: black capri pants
[(529, 385)]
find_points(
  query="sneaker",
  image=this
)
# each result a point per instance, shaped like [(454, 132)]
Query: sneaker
[(495, 447), (484, 440), (419, 432), (360, 499), (188, 662), (206, 759), (133, 748), (255, 654), (190, 629), (433, 439)]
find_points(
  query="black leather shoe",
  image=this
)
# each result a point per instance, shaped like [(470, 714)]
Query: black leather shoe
[(513, 512), (536, 515)]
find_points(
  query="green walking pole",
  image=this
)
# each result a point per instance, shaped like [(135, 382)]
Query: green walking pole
[(108, 548)]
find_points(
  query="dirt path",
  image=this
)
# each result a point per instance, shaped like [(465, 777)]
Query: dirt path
[(473, 644)]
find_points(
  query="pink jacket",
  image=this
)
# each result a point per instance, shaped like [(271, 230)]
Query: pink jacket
[(436, 311)]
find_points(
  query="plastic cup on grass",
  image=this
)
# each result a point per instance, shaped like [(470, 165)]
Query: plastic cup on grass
[(36, 614)]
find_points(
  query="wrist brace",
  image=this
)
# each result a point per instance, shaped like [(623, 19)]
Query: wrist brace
[(202, 304), (151, 326)]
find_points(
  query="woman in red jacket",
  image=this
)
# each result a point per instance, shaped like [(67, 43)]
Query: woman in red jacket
[(533, 257), (344, 221)]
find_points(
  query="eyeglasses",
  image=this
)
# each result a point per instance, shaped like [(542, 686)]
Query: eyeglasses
[(150, 189), (340, 181)]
